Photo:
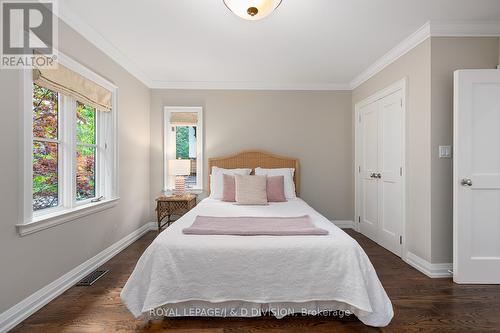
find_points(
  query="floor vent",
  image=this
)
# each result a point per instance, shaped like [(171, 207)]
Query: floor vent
[(92, 277)]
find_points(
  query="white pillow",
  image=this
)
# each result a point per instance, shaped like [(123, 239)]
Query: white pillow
[(216, 182), (287, 174)]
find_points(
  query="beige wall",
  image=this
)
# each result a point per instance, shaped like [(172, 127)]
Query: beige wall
[(448, 55), (415, 65), (312, 126), (31, 262)]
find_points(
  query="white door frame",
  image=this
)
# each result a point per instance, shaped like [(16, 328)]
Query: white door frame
[(399, 85)]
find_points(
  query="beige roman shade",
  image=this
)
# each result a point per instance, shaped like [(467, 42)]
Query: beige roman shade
[(183, 119), (67, 82)]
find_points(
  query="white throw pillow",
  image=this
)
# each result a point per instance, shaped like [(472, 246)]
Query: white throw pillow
[(250, 190), (216, 182), (287, 174)]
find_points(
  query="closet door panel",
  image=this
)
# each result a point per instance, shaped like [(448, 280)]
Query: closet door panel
[(369, 166), (390, 164)]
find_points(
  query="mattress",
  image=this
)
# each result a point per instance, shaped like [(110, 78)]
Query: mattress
[(225, 275)]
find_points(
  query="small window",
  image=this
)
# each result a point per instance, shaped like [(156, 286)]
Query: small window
[(185, 149), (183, 140)]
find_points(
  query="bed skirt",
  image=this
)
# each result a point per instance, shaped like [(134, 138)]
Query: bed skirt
[(250, 309)]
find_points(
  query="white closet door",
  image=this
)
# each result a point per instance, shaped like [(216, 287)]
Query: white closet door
[(476, 218), (381, 154), (369, 166), (389, 165)]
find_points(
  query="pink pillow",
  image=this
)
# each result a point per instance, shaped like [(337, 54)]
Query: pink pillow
[(228, 188), (276, 189)]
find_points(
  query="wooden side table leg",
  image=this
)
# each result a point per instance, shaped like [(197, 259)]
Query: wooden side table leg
[(158, 217)]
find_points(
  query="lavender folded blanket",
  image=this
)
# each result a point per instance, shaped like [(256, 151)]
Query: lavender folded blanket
[(254, 226)]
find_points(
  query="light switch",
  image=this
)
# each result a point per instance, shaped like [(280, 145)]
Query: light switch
[(445, 152)]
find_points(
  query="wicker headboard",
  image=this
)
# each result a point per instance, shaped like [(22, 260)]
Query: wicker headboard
[(255, 158)]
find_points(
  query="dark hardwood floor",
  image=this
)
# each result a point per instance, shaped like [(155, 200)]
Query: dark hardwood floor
[(420, 304)]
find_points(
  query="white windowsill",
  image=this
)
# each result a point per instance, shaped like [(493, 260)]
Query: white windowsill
[(188, 191), (50, 220)]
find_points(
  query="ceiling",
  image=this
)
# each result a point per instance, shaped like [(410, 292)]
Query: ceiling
[(303, 44)]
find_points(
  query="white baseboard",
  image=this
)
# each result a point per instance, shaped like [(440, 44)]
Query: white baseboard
[(22, 310), (429, 269), (344, 224)]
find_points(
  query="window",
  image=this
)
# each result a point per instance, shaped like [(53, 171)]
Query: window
[(46, 146), (70, 157), (184, 140)]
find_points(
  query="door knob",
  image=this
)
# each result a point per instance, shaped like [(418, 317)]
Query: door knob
[(466, 182), (379, 175), (373, 175)]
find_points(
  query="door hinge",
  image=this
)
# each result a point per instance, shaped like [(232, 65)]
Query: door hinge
[(359, 168), (359, 219), (401, 171), (400, 239), (401, 100), (359, 118)]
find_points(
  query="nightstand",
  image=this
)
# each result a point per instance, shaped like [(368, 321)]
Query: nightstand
[(166, 206)]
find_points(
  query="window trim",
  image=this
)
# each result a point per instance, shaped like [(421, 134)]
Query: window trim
[(30, 222), (167, 110)]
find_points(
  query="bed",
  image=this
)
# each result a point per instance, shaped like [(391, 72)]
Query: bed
[(247, 276)]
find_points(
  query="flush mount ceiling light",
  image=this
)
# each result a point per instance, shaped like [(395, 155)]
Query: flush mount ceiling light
[(252, 10)]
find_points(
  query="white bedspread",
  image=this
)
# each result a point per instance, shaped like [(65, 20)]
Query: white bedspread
[(329, 272)]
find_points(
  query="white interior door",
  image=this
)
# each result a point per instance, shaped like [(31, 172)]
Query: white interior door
[(390, 165), (380, 180), (476, 221), (369, 166)]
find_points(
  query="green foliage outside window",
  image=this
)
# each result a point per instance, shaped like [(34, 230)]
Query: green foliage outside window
[(45, 161), (182, 142), (85, 155)]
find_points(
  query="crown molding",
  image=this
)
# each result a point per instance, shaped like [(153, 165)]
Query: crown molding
[(429, 29), (394, 54), (68, 16), (214, 85), (465, 29)]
